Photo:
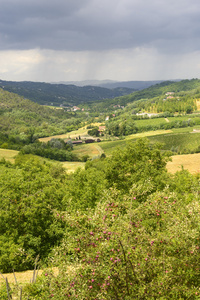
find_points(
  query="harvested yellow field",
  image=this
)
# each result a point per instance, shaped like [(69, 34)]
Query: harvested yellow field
[(73, 166), (190, 162), (22, 277), (8, 154), (73, 134)]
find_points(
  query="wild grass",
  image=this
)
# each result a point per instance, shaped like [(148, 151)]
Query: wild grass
[(73, 166), (93, 150), (8, 154)]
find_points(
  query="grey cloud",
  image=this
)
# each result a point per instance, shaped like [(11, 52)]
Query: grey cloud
[(78, 25)]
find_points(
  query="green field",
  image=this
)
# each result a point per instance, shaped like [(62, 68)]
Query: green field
[(183, 141), (150, 122), (109, 146)]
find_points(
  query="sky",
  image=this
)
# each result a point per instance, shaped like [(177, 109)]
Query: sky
[(123, 40)]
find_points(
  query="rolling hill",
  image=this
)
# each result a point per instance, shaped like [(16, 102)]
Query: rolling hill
[(62, 94)]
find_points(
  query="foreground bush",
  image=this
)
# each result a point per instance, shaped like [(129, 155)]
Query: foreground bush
[(128, 251), (31, 191)]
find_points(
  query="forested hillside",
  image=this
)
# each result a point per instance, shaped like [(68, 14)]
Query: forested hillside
[(152, 92), (23, 121), (61, 94), (148, 109)]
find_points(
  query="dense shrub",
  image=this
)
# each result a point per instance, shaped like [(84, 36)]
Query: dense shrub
[(127, 250), (55, 149), (31, 192)]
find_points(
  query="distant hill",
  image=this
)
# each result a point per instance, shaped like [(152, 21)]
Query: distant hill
[(151, 92), (111, 84), (62, 94), (138, 85)]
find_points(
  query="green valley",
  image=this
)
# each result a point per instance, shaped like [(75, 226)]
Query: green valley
[(108, 196)]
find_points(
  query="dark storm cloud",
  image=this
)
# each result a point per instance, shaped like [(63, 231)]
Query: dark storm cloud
[(77, 25)]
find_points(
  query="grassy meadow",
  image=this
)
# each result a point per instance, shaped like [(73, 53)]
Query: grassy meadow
[(8, 154)]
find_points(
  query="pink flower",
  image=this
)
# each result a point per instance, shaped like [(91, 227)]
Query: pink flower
[(91, 233), (90, 287)]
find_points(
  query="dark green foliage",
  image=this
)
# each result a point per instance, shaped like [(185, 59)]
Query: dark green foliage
[(68, 95), (55, 149), (94, 131), (30, 195)]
